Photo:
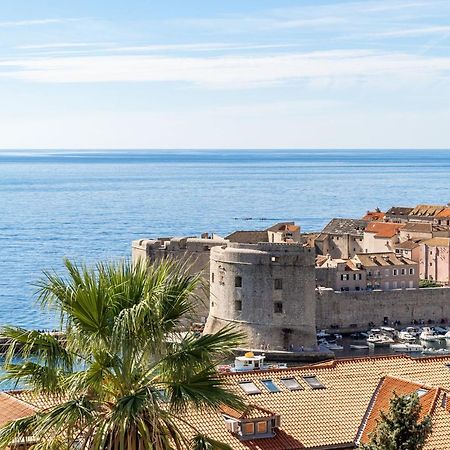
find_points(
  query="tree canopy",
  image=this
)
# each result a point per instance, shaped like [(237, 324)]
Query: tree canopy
[(401, 428), (123, 374)]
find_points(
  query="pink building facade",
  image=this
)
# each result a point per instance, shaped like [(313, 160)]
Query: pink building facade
[(435, 260)]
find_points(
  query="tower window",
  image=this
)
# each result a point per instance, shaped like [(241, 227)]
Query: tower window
[(238, 305), (238, 281), (278, 307), (278, 284), (212, 277)]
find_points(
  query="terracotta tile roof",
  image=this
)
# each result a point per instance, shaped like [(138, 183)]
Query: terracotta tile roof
[(408, 245), (444, 213), (353, 227), (251, 412), (321, 418), (426, 210), (36, 400), (284, 226), (398, 211), (418, 227), (330, 417), (384, 393), (382, 259), (437, 242), (383, 229), (12, 408), (374, 216)]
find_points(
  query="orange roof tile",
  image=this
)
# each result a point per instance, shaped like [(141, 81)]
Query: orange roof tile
[(383, 229), (12, 408), (383, 395), (322, 418), (330, 417), (374, 216), (444, 213)]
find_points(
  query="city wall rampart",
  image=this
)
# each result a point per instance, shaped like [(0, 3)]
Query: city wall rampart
[(353, 311)]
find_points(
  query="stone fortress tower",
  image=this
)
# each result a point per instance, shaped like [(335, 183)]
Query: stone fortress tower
[(266, 290), (192, 250)]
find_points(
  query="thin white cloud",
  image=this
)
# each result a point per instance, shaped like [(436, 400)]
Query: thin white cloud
[(198, 47), (64, 45), (32, 22), (347, 66), (437, 29)]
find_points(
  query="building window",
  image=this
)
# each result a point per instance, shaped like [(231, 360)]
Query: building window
[(212, 277), (238, 305), (270, 385), (395, 272), (313, 382), (275, 258), (261, 427), (386, 272), (411, 271), (248, 428), (278, 307), (238, 281), (278, 284), (249, 387), (403, 271), (291, 383)]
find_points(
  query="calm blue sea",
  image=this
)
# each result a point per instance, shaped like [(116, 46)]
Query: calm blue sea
[(90, 205)]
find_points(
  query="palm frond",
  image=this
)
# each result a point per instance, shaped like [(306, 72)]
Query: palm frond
[(202, 442)]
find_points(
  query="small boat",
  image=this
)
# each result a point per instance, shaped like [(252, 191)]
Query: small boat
[(332, 346), (428, 335), (405, 336), (329, 345), (388, 330), (440, 330), (338, 336), (447, 335), (374, 331), (250, 362), (380, 340), (358, 347), (436, 351), (415, 331), (407, 348)]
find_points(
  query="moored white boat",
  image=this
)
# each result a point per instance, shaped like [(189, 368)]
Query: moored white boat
[(415, 331), (380, 340), (330, 345), (406, 347), (428, 335), (436, 351), (248, 363), (404, 336)]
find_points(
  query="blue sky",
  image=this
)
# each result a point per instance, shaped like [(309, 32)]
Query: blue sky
[(224, 74)]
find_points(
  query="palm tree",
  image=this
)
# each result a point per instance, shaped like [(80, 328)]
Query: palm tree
[(123, 374)]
